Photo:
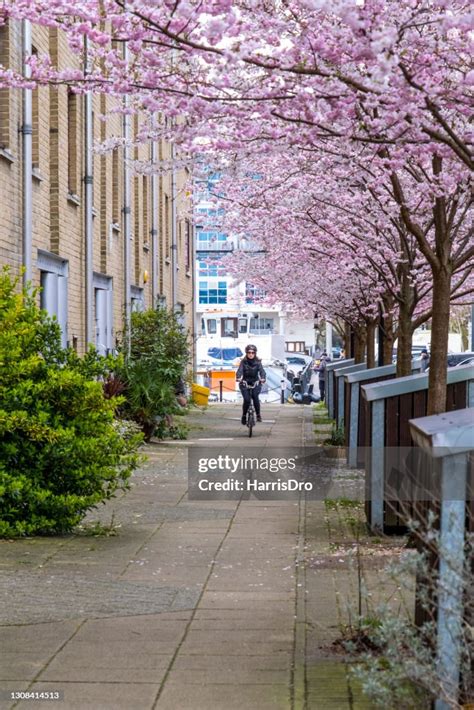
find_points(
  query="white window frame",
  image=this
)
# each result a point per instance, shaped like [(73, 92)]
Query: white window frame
[(137, 298), (103, 313), (54, 274)]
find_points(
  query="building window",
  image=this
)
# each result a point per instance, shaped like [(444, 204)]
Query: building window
[(54, 289), (211, 211), (103, 313), (211, 326), (138, 300), (229, 327), (115, 187), (72, 141), (146, 212), (167, 227), (136, 227), (180, 314), (212, 292), (212, 266), (210, 241), (188, 245), (261, 325), (295, 346), (5, 122), (253, 294), (35, 139)]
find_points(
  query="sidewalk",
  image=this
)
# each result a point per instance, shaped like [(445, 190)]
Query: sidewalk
[(192, 605)]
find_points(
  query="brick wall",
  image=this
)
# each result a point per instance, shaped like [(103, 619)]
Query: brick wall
[(58, 213)]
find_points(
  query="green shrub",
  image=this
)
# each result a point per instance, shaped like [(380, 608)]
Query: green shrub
[(155, 361), (337, 437), (61, 452)]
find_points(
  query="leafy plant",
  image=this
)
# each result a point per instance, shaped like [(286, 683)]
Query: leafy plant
[(155, 361), (147, 395), (337, 437), (397, 662), (61, 453), (98, 529)]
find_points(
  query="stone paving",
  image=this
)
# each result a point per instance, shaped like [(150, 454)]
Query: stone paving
[(186, 605)]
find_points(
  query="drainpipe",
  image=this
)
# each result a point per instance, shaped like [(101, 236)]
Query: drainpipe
[(154, 223), (126, 211), (88, 205), (27, 140), (174, 245)]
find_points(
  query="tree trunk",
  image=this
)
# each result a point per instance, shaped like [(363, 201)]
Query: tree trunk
[(359, 345), (388, 339), (371, 325), (465, 338), (439, 341), (404, 344)]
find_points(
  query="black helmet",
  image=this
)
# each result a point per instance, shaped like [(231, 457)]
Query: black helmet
[(251, 347)]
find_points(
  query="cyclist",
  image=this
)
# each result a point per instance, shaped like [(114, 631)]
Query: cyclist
[(250, 371)]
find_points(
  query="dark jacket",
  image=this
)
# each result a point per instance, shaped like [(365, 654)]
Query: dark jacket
[(322, 367), (250, 370)]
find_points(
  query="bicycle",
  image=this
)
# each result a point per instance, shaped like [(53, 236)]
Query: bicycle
[(251, 409)]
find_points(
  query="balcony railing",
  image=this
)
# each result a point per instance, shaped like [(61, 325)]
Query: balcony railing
[(214, 246), (263, 331)]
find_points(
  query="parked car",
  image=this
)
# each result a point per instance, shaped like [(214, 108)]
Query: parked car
[(456, 359), (415, 352), (297, 359), (469, 361)]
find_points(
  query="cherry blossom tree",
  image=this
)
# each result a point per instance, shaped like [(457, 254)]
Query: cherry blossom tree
[(256, 77), (310, 204)]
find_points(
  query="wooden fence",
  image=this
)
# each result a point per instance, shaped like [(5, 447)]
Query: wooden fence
[(388, 409)]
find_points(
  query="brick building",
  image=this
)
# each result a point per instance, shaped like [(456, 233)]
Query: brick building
[(99, 238)]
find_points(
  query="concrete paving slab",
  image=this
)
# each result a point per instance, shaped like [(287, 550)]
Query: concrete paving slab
[(40, 597), (58, 673), (21, 665), (248, 623), (230, 675), (8, 687), (97, 696), (146, 627), (224, 697), (113, 655), (232, 662), (164, 627)]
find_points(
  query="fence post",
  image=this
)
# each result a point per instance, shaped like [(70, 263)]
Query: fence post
[(283, 388), (450, 584), (354, 424), (449, 437), (221, 382)]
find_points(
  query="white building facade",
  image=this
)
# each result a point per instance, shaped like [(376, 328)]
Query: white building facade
[(229, 314)]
